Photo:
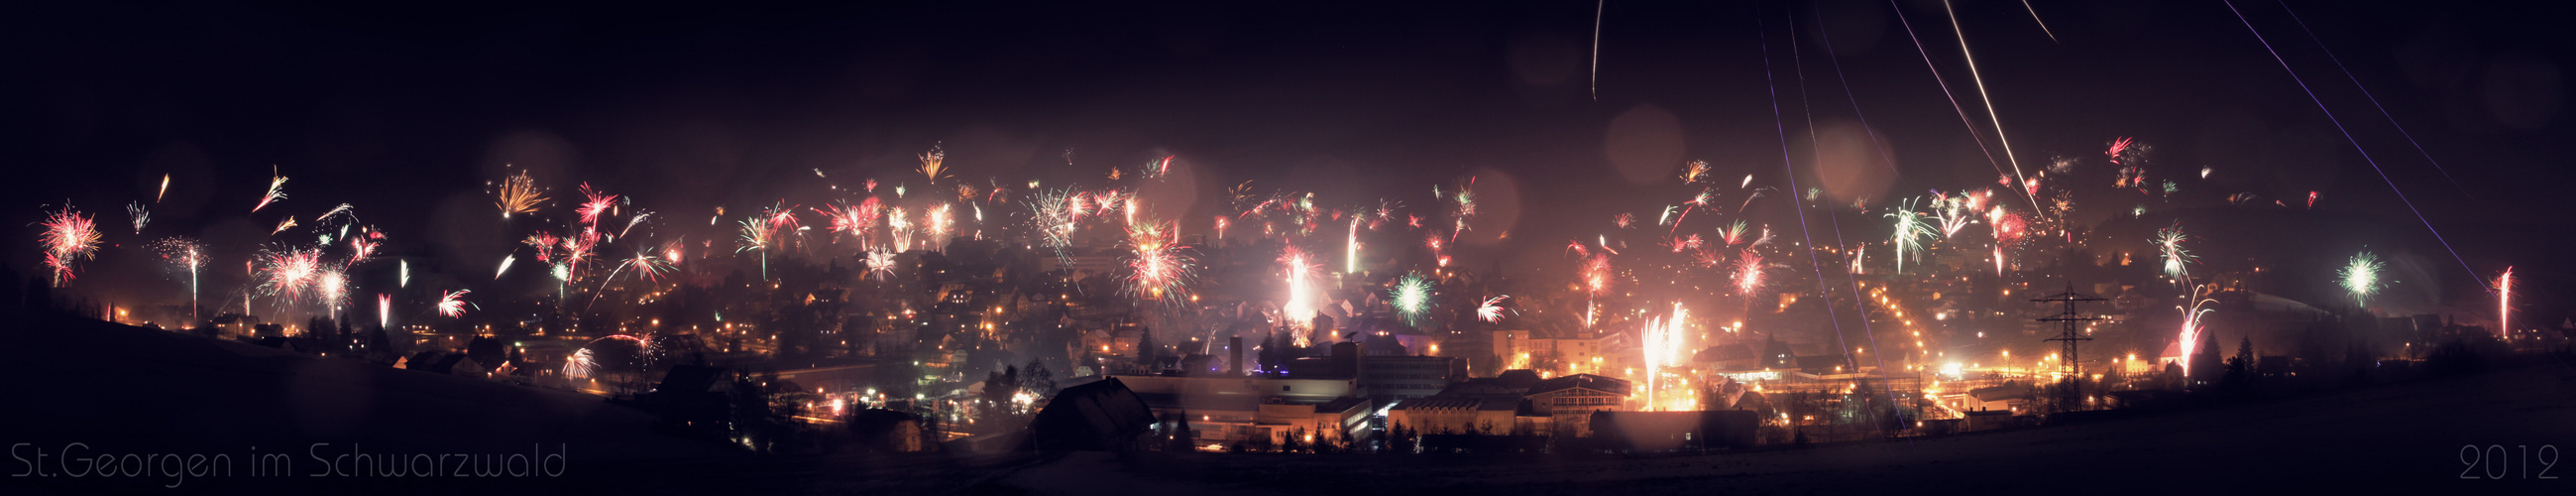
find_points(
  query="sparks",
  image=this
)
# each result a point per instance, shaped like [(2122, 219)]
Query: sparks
[(2504, 303), (68, 236), (1748, 273), (2360, 277), (1411, 297), (1491, 311), (2169, 242), (452, 305), (518, 195), (1910, 232), (140, 215), (276, 191), (933, 165)]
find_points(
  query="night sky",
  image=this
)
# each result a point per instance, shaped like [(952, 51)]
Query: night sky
[(408, 113)]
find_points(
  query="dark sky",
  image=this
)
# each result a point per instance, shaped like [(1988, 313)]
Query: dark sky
[(408, 112)]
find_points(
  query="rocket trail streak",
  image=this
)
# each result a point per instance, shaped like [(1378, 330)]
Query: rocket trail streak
[(1945, 90), (1761, 28), (1815, 148), (1973, 75), (2374, 100), (1821, 33), (2034, 17), (1597, 5), (2356, 146)]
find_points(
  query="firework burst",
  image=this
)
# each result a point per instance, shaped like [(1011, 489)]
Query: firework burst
[(1300, 271), (452, 305), (1159, 267), (140, 215), (276, 191), (593, 205), (518, 194), (2169, 243), (1491, 311), (68, 236), (1911, 230), (2360, 277), (934, 164), (1411, 297), (1748, 273)]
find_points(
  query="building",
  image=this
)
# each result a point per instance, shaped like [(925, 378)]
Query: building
[(1570, 400), (1389, 379), (1227, 408)]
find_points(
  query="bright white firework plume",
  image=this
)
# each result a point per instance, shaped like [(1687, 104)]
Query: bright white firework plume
[(140, 215), (2169, 244), (2360, 277), (1491, 311), (453, 304), (1910, 233), (1412, 297)]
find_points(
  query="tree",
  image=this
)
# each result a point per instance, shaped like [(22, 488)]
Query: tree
[(2240, 369), (1037, 380), (1182, 438)]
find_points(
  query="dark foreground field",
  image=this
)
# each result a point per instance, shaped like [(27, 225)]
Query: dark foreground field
[(128, 390), (2395, 438)]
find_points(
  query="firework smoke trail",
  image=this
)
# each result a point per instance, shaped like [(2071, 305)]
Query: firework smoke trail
[(452, 305), (276, 191), (68, 236), (1910, 231), (1946, 93), (2356, 146), (1748, 274), (1412, 297), (1300, 309), (2169, 244), (2191, 326), (1491, 311), (518, 195), (1974, 76), (506, 260), (2504, 303), (140, 215), (2365, 93), (2360, 277)]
